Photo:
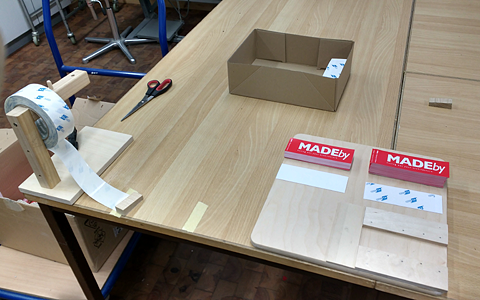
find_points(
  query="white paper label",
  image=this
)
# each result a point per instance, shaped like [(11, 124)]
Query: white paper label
[(319, 179)]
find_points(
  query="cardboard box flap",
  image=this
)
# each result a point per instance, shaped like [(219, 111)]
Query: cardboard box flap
[(343, 79), (238, 73), (246, 53), (283, 85), (302, 50), (26, 230), (330, 48), (270, 45), (325, 87)]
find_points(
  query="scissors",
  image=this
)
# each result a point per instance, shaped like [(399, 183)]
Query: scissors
[(155, 88)]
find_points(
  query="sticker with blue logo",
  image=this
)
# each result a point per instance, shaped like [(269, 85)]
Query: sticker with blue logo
[(403, 197), (334, 68)]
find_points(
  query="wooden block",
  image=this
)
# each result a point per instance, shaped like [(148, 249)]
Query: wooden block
[(407, 225), (98, 147), (128, 204), (33, 147), (441, 102), (71, 84), (404, 268), (345, 234)]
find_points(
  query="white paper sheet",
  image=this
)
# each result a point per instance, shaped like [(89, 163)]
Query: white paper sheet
[(319, 179)]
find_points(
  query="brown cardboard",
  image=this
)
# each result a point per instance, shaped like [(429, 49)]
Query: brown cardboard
[(22, 225), (288, 68), (23, 228)]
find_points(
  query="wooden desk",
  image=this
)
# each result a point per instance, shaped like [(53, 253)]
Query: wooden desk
[(451, 134), (198, 143), (445, 38)]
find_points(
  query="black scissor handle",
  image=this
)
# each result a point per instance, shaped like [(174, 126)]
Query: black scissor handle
[(162, 88)]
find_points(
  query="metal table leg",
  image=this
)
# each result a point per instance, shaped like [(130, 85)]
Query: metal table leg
[(73, 253)]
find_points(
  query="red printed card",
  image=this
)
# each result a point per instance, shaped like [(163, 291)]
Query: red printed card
[(410, 163), (320, 153)]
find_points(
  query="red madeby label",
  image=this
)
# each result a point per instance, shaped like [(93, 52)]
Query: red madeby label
[(411, 163), (320, 150)]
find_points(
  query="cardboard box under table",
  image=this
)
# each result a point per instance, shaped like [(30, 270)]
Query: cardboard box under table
[(289, 68), (23, 227)]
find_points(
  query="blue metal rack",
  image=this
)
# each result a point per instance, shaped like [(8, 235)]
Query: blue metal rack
[(107, 287), (63, 69)]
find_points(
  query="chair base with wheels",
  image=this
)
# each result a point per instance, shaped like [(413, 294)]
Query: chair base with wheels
[(118, 41)]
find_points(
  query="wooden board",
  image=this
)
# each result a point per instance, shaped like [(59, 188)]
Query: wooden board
[(453, 136), (345, 235), (304, 222), (444, 40), (402, 268), (402, 224), (98, 147), (31, 275)]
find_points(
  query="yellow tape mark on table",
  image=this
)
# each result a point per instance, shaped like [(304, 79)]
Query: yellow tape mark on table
[(195, 217)]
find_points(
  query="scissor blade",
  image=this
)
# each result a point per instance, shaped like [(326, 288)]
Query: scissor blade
[(137, 107)]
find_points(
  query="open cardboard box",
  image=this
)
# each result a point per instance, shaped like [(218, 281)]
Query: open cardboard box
[(289, 68), (22, 225)]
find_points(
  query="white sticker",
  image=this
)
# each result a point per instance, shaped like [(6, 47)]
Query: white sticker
[(403, 197), (334, 68), (319, 179)]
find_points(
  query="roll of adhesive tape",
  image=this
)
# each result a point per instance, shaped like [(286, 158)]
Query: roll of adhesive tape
[(55, 124)]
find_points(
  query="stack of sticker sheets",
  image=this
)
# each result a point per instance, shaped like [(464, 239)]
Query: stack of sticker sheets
[(411, 168)]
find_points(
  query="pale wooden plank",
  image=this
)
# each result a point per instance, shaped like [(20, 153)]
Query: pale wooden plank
[(99, 148), (445, 38), (70, 84), (403, 224), (128, 204), (345, 235), (32, 145), (453, 136), (404, 268)]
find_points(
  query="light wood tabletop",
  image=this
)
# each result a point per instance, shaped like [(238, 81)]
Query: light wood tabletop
[(445, 38), (450, 134), (198, 143)]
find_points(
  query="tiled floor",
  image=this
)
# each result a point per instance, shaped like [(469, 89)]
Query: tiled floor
[(160, 269), (33, 64)]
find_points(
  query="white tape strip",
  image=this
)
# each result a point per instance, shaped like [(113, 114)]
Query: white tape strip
[(319, 179), (55, 124)]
